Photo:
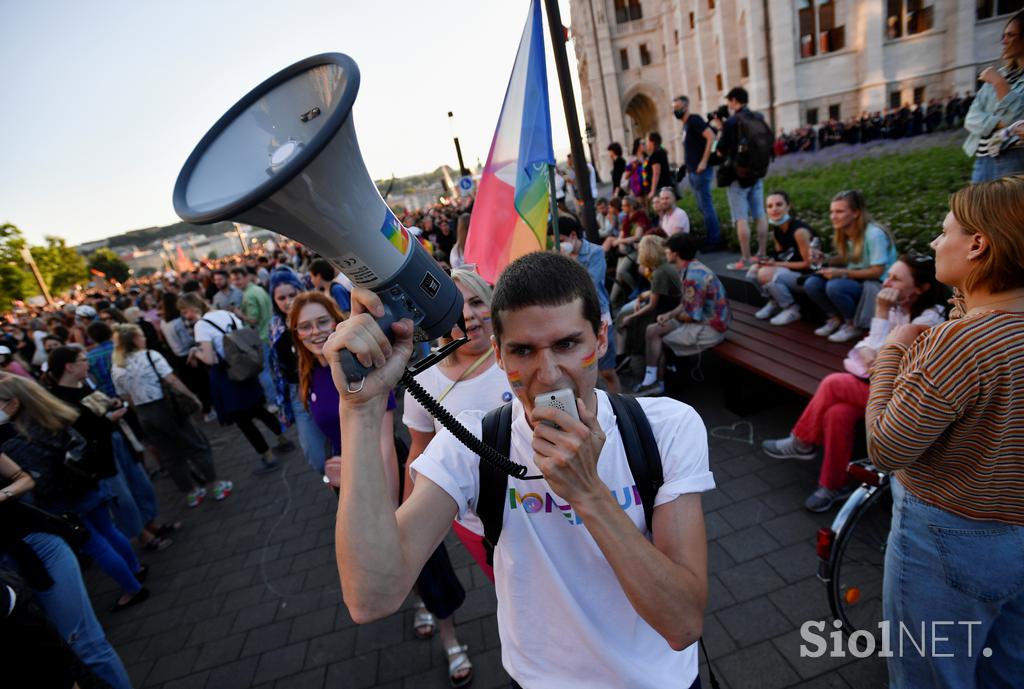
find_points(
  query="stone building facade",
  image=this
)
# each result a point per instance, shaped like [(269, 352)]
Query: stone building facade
[(802, 61)]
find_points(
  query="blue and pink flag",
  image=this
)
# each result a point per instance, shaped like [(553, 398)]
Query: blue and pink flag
[(510, 215)]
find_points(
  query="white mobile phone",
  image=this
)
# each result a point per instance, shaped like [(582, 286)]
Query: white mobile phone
[(563, 400)]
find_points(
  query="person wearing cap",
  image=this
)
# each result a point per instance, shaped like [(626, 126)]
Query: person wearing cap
[(84, 316), (9, 363)]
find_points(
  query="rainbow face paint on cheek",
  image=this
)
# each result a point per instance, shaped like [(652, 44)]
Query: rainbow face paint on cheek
[(514, 379), (590, 360), (485, 316)]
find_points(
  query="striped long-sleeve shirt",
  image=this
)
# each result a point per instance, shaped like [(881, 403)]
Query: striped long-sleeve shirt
[(949, 416)]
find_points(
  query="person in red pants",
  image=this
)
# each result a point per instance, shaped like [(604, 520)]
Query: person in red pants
[(909, 294)]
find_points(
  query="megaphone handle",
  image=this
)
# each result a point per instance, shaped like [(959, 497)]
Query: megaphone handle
[(355, 372)]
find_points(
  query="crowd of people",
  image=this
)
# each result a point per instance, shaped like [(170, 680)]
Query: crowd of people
[(118, 385), (893, 123)]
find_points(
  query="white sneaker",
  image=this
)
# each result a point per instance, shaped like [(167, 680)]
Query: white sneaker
[(790, 314), (831, 325), (846, 333), (767, 311)]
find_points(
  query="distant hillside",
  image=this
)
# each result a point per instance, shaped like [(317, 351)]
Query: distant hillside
[(146, 235)]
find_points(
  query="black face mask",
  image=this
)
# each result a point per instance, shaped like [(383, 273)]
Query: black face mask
[(680, 113)]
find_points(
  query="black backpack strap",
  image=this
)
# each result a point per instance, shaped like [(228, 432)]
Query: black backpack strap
[(222, 331), (641, 451), (490, 502)]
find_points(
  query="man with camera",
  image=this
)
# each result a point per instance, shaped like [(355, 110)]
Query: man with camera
[(587, 596)]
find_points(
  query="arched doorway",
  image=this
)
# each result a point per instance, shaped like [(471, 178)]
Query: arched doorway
[(642, 116)]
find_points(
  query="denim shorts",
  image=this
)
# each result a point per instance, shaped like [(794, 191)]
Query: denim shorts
[(746, 204)]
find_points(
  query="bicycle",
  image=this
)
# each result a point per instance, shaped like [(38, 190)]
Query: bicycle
[(852, 552)]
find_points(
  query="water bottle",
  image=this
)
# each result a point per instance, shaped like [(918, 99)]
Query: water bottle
[(817, 255)]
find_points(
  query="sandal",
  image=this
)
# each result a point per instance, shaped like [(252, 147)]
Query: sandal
[(458, 663), (168, 529), (156, 544), (423, 623)]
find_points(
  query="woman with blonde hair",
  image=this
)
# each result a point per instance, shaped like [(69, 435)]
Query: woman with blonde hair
[(946, 415), (666, 289), (63, 466), (865, 252), (141, 376)]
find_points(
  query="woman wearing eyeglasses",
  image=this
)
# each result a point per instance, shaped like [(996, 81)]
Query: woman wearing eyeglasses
[(997, 150), (946, 416), (910, 294), (865, 252), (312, 318)]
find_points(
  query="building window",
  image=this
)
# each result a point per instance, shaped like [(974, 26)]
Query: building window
[(718, 82), (894, 99), (700, 94), (833, 111), (645, 56), (819, 33), (744, 68), (919, 95), (627, 10), (677, 36), (908, 17), (624, 59), (711, 4), (812, 116), (693, 22), (991, 8)]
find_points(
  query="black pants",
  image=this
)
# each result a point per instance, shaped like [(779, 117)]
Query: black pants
[(438, 586), (248, 428)]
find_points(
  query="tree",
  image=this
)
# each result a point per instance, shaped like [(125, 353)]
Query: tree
[(108, 263), (16, 281), (60, 265)]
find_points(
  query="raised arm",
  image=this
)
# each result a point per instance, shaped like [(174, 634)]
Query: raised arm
[(379, 551)]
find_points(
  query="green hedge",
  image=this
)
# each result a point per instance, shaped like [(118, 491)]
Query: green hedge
[(908, 193)]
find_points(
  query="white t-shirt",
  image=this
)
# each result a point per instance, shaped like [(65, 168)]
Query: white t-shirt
[(136, 379), (204, 332), (486, 391), (674, 222), (563, 617)]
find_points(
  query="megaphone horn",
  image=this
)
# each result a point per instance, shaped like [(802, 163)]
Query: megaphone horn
[(285, 157)]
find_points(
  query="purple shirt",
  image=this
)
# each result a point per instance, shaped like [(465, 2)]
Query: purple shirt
[(323, 405)]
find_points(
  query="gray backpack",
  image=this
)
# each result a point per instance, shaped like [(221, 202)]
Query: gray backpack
[(243, 351)]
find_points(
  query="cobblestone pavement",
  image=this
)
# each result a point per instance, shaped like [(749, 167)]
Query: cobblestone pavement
[(248, 595)]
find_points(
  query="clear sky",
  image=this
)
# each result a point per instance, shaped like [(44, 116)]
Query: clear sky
[(100, 103)]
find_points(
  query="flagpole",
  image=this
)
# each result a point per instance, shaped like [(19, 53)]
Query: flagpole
[(554, 205), (572, 121)]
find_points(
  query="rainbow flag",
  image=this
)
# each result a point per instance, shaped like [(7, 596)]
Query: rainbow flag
[(510, 215)]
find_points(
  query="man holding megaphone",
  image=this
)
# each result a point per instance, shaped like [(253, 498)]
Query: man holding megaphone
[(591, 592)]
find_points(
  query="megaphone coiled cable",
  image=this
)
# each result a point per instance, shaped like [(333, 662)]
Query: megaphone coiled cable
[(462, 433)]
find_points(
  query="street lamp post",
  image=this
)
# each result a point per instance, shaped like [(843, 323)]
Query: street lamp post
[(458, 149)]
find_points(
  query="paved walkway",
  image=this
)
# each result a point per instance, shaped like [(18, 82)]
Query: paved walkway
[(248, 596)]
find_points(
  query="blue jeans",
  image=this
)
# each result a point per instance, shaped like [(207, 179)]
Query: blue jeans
[(1011, 162), (780, 288), (266, 379), (746, 204), (838, 296), (312, 440), (107, 545), (944, 571), (67, 605), (123, 507), (701, 185), (137, 479)]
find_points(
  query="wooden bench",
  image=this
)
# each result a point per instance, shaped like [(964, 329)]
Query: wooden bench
[(791, 356)]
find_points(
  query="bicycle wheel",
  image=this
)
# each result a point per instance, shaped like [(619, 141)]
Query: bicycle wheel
[(855, 593)]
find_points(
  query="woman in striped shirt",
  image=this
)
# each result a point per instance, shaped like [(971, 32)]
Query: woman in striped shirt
[(946, 415)]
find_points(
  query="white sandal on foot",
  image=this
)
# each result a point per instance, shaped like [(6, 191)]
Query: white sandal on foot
[(423, 619), (458, 662)]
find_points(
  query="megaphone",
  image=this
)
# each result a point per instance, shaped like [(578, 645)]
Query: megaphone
[(285, 157)]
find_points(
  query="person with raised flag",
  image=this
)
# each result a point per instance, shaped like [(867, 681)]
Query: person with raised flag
[(510, 214)]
